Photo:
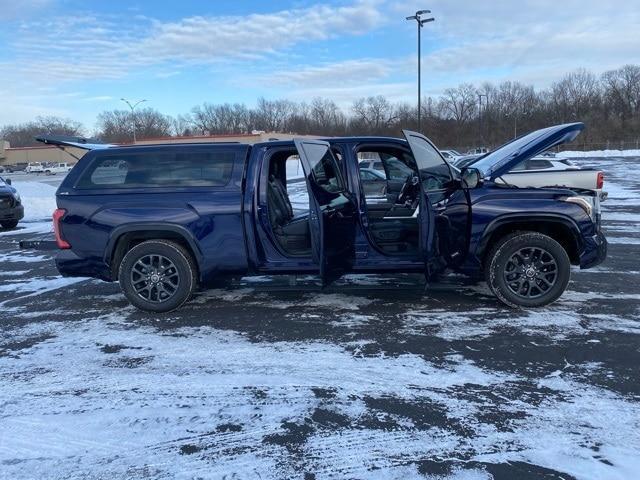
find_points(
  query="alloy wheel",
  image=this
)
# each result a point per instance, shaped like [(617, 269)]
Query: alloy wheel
[(530, 272), (155, 278)]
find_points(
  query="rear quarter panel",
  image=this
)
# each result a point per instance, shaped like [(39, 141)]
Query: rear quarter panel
[(209, 217)]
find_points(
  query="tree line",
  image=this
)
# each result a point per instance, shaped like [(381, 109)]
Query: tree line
[(467, 115)]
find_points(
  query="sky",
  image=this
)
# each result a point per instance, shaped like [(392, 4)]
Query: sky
[(76, 58)]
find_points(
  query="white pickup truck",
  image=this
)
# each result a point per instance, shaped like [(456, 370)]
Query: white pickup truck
[(35, 167), (54, 168)]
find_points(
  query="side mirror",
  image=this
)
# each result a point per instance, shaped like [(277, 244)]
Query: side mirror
[(8, 181), (470, 178)]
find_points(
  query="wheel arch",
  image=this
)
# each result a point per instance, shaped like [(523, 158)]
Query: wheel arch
[(125, 237), (562, 229)]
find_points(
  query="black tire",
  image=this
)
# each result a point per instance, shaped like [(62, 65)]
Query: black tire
[(158, 292), (533, 279), (9, 224)]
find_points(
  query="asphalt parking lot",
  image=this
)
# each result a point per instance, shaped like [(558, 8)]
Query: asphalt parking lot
[(375, 377)]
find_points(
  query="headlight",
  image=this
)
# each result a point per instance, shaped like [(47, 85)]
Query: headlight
[(16, 195), (586, 206)]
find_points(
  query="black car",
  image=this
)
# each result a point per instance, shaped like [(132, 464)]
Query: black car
[(11, 209)]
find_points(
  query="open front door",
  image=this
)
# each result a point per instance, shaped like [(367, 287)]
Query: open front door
[(435, 175), (332, 213)]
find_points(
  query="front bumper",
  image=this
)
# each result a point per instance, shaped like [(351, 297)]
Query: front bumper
[(14, 213), (594, 251)]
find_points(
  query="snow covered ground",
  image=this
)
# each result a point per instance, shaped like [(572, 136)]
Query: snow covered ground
[(39, 203), (373, 378), (599, 154)]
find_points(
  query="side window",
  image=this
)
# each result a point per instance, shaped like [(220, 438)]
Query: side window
[(157, 170), (539, 164), (296, 185), (394, 165), (520, 167), (110, 172), (325, 171)]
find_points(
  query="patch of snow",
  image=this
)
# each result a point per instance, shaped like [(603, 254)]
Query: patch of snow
[(20, 256), (38, 198), (37, 286), (598, 153)]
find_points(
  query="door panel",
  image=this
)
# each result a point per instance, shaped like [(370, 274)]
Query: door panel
[(332, 216), (435, 175)]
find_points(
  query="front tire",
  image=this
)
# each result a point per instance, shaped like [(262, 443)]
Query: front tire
[(528, 269), (157, 276), (9, 224)]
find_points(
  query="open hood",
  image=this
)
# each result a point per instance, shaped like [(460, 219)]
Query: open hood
[(503, 159), (69, 141)]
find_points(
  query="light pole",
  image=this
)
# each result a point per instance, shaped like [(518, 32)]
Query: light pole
[(133, 114), (420, 21), (480, 96)]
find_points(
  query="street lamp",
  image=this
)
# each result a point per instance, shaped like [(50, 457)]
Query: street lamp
[(420, 22), (133, 114)]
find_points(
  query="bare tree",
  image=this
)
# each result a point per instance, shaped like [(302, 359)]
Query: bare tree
[(460, 105), (373, 115), (622, 92), (116, 125), (272, 115), (221, 118), (22, 135)]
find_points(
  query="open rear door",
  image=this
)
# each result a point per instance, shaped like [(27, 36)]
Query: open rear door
[(332, 213), (434, 175)]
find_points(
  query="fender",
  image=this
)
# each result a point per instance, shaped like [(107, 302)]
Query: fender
[(508, 218), (117, 232)]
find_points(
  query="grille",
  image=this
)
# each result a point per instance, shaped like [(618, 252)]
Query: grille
[(6, 202)]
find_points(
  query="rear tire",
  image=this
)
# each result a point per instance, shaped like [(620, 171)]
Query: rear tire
[(528, 269), (158, 276), (9, 224)]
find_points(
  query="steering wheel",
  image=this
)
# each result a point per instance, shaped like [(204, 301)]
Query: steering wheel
[(408, 191)]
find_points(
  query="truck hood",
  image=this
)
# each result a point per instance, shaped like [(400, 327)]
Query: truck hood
[(503, 159)]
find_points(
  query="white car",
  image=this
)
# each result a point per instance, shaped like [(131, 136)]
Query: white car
[(545, 163), (35, 167), (451, 155), (54, 168)]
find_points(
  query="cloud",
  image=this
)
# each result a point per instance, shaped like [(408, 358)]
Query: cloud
[(92, 47), (335, 74), (12, 10), (525, 38)]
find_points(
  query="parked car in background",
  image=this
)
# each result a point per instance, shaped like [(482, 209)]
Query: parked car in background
[(545, 171), (6, 169), (11, 209), (545, 163), (540, 162), (478, 151), (54, 168), (35, 167), (451, 155), (165, 219), (374, 182)]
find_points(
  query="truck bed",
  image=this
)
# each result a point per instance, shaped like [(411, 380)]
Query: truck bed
[(581, 179)]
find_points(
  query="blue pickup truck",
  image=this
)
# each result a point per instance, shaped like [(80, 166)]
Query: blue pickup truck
[(164, 220)]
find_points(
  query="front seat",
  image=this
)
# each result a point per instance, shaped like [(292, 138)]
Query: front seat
[(292, 232)]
